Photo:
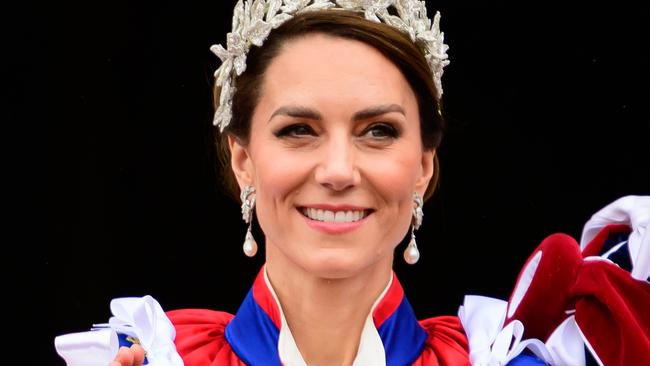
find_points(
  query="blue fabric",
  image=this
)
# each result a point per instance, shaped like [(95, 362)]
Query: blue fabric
[(402, 335), (525, 359), (253, 335), (620, 256), (589, 358)]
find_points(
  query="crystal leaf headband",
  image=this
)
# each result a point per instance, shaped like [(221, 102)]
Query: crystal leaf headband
[(253, 21)]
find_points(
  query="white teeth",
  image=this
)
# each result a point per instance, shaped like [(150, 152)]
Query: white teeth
[(331, 216), (339, 216), (348, 216)]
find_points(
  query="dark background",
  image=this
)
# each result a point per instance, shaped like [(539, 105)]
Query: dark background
[(549, 120)]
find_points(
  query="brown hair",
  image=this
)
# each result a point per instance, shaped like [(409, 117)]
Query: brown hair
[(392, 43)]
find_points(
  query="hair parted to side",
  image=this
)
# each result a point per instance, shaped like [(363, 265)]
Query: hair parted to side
[(393, 44)]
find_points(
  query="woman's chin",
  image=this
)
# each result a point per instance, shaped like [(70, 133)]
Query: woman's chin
[(337, 263)]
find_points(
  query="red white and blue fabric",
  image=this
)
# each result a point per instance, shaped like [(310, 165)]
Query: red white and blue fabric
[(251, 337), (569, 297)]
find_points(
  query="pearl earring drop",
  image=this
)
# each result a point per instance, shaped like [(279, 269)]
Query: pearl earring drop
[(247, 207), (250, 246), (411, 253)]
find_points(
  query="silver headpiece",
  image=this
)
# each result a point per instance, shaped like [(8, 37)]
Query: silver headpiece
[(253, 21)]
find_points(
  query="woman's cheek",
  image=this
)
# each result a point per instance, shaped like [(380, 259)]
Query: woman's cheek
[(394, 175), (279, 173)]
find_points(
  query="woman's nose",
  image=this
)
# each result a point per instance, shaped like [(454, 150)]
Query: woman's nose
[(337, 169)]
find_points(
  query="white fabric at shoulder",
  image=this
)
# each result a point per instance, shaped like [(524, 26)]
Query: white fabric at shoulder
[(140, 317), (490, 342), (493, 344), (635, 212)]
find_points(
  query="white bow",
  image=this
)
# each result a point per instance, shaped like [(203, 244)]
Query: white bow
[(492, 344), (139, 317)]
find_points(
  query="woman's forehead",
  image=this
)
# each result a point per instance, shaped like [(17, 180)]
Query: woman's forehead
[(324, 68)]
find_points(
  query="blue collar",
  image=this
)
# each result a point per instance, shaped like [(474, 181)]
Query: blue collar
[(254, 331)]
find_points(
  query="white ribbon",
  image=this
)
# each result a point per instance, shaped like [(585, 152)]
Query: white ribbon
[(501, 346), (482, 318), (96, 348), (566, 344), (490, 343), (635, 212), (139, 317)]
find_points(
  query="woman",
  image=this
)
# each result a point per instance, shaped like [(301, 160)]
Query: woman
[(336, 142), (329, 126)]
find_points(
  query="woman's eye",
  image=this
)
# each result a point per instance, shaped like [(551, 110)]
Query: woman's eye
[(381, 131), (296, 130)]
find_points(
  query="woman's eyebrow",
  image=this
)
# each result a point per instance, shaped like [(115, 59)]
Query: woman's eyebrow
[(377, 111), (309, 113), (297, 111)]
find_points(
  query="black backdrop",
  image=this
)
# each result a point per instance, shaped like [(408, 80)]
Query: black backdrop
[(548, 111)]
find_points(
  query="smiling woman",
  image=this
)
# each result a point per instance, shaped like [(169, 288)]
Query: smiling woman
[(336, 161), (329, 118)]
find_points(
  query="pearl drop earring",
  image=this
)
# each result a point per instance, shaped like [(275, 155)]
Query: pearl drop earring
[(411, 253), (247, 207)]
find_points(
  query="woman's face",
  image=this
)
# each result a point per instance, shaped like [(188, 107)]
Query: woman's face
[(335, 155)]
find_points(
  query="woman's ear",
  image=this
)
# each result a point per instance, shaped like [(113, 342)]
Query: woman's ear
[(427, 167), (240, 162)]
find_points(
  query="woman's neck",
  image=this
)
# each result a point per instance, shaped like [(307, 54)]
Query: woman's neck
[(325, 316)]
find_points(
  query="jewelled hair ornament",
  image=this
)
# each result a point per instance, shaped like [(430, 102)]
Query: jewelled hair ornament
[(253, 21)]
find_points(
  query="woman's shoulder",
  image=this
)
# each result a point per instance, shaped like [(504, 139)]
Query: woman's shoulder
[(198, 318), (200, 337), (446, 343)]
